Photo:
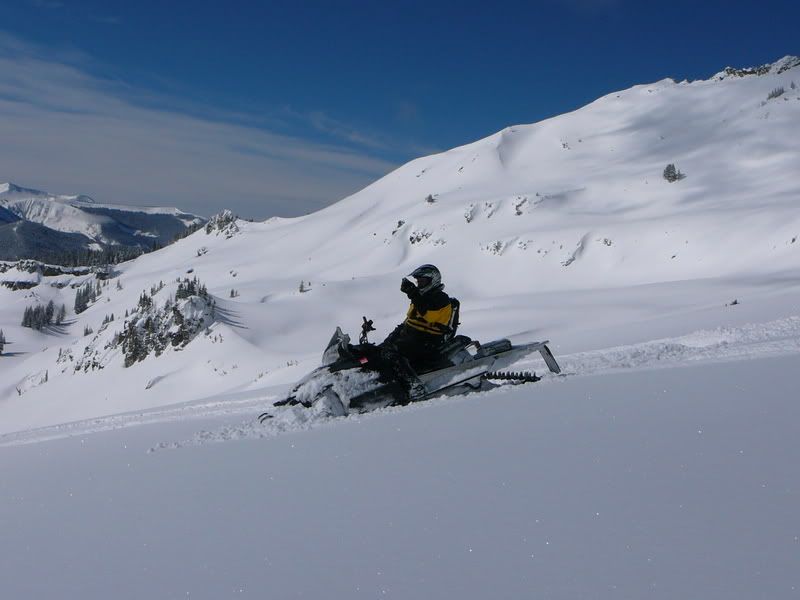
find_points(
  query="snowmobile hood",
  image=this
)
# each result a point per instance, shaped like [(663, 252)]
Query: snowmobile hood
[(331, 353)]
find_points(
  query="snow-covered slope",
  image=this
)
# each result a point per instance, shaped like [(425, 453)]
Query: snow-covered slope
[(99, 224), (564, 229), (659, 484)]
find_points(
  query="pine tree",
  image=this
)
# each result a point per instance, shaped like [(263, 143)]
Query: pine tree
[(61, 315), (145, 301), (2, 341), (37, 317), (131, 345), (190, 287), (672, 174), (83, 296)]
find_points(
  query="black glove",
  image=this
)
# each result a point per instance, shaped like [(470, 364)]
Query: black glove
[(366, 326), (407, 287)]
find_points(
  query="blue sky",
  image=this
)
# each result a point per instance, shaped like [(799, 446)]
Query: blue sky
[(284, 107)]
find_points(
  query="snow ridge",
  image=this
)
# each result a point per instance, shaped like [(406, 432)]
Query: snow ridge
[(780, 66)]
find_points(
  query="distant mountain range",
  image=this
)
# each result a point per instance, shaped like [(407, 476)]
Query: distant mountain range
[(60, 228)]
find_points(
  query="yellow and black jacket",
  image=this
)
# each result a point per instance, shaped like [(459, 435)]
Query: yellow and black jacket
[(430, 313), (428, 321)]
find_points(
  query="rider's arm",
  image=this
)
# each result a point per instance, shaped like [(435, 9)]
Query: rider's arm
[(412, 291)]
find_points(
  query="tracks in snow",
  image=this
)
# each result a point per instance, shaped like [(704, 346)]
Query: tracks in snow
[(758, 340), (218, 407), (755, 340)]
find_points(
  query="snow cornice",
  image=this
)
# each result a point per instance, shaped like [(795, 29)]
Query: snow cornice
[(780, 66)]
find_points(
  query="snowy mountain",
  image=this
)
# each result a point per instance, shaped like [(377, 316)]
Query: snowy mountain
[(565, 229), (663, 465), (45, 223), (6, 216)]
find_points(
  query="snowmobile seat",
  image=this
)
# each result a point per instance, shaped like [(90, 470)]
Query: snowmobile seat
[(447, 354), (459, 342)]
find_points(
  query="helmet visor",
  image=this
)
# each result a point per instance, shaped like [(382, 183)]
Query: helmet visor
[(423, 281)]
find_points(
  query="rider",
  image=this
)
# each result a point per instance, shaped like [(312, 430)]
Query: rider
[(418, 339)]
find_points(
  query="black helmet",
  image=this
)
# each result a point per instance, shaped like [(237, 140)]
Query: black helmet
[(428, 278)]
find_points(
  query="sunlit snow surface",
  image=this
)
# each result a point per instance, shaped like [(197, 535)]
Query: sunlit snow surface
[(668, 483), (663, 465)]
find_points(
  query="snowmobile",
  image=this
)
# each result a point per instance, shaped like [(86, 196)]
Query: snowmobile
[(352, 380)]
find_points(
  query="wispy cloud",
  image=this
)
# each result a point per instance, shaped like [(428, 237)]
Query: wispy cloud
[(590, 6), (47, 4), (106, 19), (327, 124), (64, 129), (406, 111)]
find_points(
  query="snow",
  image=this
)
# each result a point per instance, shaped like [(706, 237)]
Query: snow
[(672, 483), (661, 466)]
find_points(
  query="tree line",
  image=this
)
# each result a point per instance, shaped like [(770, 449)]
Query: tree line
[(38, 317)]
